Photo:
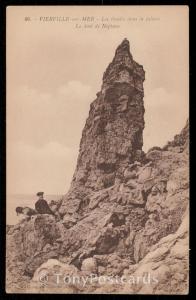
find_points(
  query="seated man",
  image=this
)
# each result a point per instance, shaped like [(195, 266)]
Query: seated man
[(41, 206)]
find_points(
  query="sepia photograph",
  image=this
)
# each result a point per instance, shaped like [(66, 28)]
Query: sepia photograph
[(97, 149)]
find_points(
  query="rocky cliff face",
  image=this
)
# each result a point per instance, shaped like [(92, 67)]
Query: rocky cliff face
[(125, 212), (112, 136)]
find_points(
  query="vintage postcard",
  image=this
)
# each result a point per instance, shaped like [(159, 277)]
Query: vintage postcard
[(97, 149)]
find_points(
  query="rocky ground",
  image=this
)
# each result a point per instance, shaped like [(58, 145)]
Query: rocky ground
[(125, 217)]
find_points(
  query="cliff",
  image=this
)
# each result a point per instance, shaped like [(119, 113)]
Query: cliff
[(112, 136), (126, 211)]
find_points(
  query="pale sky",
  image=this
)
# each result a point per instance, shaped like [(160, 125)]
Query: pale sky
[(54, 71)]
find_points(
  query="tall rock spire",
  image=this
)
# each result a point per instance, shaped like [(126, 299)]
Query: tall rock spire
[(113, 134), (124, 69)]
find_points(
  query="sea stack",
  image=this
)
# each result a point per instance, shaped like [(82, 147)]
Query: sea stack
[(113, 134)]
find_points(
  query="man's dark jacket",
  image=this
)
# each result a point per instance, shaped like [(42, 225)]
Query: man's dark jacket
[(42, 207)]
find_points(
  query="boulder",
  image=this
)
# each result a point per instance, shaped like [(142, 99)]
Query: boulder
[(154, 155), (89, 265), (35, 242), (144, 174), (56, 277), (96, 198), (168, 271), (69, 221)]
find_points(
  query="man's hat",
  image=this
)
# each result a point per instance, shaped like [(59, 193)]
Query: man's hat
[(40, 193), (19, 210)]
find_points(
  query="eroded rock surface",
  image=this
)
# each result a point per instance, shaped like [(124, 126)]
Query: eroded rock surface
[(112, 137), (124, 212)]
